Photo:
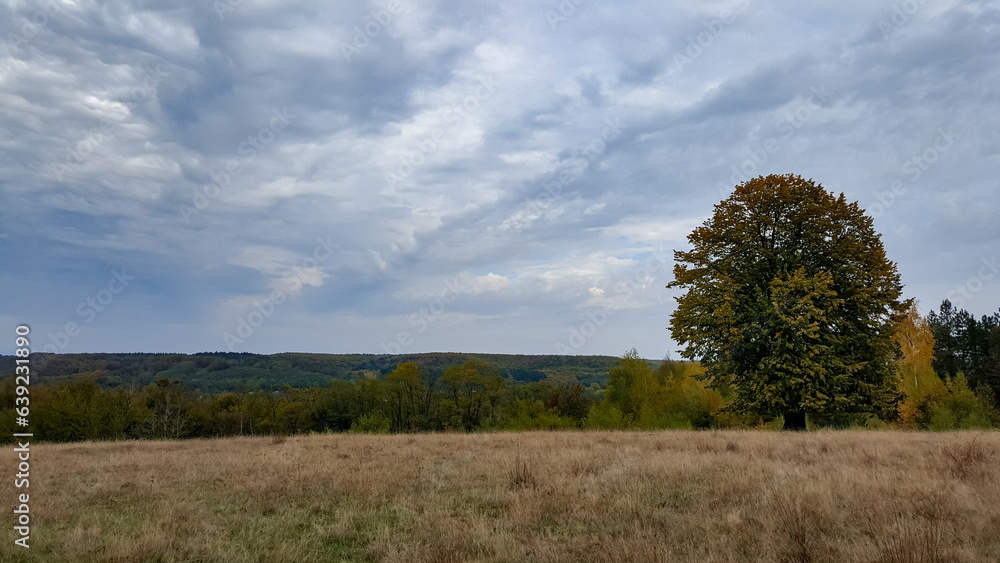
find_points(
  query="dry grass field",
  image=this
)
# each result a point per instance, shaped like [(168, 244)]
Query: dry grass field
[(547, 496)]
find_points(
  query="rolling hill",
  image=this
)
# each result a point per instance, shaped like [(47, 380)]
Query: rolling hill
[(212, 372)]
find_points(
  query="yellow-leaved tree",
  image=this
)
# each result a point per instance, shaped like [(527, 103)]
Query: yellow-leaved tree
[(917, 381)]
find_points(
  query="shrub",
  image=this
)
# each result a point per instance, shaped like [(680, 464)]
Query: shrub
[(605, 416), (371, 423), (532, 415), (649, 419)]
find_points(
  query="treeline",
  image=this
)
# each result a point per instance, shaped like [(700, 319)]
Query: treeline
[(964, 345), (949, 369), (216, 372), (949, 378), (467, 397)]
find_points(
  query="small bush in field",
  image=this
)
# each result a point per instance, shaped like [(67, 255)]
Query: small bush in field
[(371, 423), (605, 416)]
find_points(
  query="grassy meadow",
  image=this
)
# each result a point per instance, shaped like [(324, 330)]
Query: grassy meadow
[(705, 496)]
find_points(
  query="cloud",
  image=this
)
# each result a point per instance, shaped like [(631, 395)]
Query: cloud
[(289, 272), (540, 167)]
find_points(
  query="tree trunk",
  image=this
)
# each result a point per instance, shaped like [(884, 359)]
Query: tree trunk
[(795, 421)]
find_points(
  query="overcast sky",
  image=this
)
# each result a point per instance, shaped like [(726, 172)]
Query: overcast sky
[(507, 177)]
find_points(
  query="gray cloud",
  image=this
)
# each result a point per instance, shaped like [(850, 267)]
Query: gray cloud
[(463, 145)]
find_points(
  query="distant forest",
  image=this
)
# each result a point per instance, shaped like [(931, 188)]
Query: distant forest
[(216, 372), (948, 367)]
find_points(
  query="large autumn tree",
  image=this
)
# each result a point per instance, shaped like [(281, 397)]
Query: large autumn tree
[(791, 303)]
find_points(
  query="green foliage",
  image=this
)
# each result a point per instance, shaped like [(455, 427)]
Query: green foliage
[(651, 419), (669, 398), (775, 424), (532, 415), (631, 384), (960, 408), (988, 402), (80, 410), (468, 397), (685, 396), (214, 372), (569, 401), (475, 389), (941, 418), (605, 416), (968, 345), (790, 302), (371, 423), (802, 370), (408, 397), (868, 422)]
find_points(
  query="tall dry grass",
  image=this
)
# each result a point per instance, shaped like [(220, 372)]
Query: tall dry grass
[(879, 497)]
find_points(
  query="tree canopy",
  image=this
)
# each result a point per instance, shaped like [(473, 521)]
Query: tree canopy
[(966, 345), (790, 303)]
